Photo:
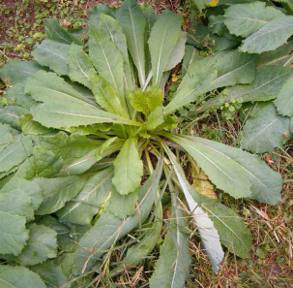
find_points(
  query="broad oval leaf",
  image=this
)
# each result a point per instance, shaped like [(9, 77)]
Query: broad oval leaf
[(17, 71), (88, 202), (13, 234), (19, 277), (265, 129), (62, 105), (233, 170), (57, 191), (54, 55), (41, 246), (80, 65), (128, 168), (245, 19), (270, 36)]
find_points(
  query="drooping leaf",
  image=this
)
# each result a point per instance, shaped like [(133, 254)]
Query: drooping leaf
[(245, 19), (265, 129), (57, 33), (57, 191), (233, 170), (89, 201), (270, 36), (54, 55), (163, 39), (133, 23), (128, 168), (109, 228), (19, 277), (208, 233), (284, 101), (63, 106), (13, 234), (233, 232), (16, 71), (42, 245), (80, 65)]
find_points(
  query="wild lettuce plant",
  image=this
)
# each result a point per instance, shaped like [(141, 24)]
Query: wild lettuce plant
[(92, 153)]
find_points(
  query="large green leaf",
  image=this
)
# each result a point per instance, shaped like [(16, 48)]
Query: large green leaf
[(58, 191), (107, 96), (89, 201), (245, 19), (54, 55), (208, 233), (128, 168), (13, 234), (233, 232), (62, 105), (20, 197), (123, 205), (172, 267), (133, 23), (268, 83), (17, 96), (14, 148), (163, 39), (280, 56), (109, 28), (223, 69), (106, 57), (80, 65), (16, 71), (270, 36), (264, 130), (284, 101), (57, 33), (41, 246), (233, 170), (109, 229), (11, 115), (19, 277)]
